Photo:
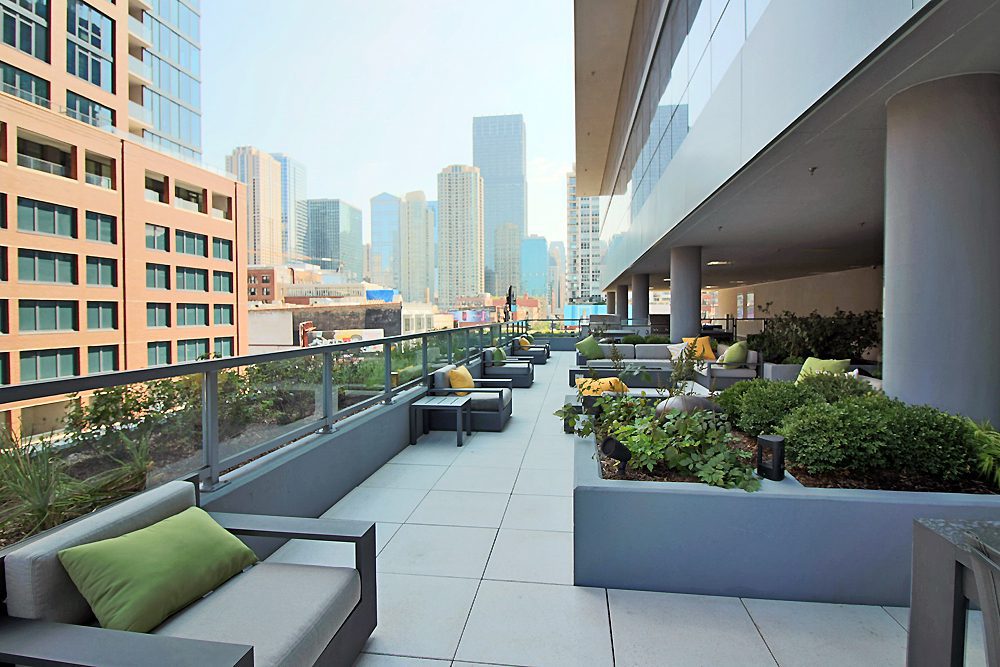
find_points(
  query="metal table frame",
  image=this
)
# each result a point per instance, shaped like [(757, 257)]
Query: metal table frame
[(462, 405)]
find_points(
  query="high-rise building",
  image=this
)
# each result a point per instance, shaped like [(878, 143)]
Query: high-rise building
[(507, 258), (262, 175), (416, 236), (498, 149), (583, 232), (101, 234), (557, 276), (460, 234), (432, 206), (166, 61), (385, 254), (535, 266), (333, 237), (294, 214)]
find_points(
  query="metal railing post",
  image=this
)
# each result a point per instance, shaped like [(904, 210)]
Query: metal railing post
[(387, 352), (210, 430), (450, 336), (482, 341), (427, 376), (468, 352), (328, 407)]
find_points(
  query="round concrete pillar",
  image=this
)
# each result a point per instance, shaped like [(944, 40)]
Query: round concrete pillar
[(640, 298), (621, 301), (610, 296), (685, 292), (942, 245)]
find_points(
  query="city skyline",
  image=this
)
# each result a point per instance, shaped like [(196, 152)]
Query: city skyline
[(347, 159)]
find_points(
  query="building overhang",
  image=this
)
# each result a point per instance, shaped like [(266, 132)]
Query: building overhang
[(602, 31)]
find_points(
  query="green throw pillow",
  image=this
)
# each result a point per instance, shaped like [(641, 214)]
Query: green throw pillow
[(814, 365), (499, 356), (137, 580), (736, 354), (590, 348)]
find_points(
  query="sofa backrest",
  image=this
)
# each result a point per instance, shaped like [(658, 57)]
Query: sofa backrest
[(626, 351), (658, 351), (440, 377), (488, 356), (38, 586)]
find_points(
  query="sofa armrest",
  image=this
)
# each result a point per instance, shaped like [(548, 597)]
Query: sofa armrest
[(493, 383), (474, 390), (511, 361), (293, 527), (27, 642)]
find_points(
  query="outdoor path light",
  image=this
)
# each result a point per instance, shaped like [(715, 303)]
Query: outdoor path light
[(771, 457), (616, 450)]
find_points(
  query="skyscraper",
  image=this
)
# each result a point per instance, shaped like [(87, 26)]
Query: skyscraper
[(294, 214), (535, 266), (583, 230), (460, 233), (333, 237), (432, 206), (557, 277), (507, 260), (262, 175), (416, 234), (498, 149), (385, 255)]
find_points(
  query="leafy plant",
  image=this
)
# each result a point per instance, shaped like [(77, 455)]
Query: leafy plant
[(836, 386), (657, 340), (843, 335), (987, 444), (35, 479), (766, 402), (633, 339), (731, 398)]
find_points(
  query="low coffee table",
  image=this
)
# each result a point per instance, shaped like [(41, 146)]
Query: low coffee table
[(462, 405)]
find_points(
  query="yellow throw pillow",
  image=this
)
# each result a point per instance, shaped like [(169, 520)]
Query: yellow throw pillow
[(525, 343), (703, 347), (461, 378), (596, 387)]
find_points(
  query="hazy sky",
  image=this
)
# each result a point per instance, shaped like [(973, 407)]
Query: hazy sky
[(379, 95)]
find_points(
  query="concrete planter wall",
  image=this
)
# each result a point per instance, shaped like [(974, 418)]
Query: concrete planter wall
[(783, 542), (783, 372)]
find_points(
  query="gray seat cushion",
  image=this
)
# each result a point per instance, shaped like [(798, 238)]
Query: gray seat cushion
[(625, 351), (287, 612), (484, 401), (440, 376), (723, 372), (38, 586), (652, 351)]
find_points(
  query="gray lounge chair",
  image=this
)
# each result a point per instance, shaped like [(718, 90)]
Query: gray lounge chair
[(520, 371), (492, 402)]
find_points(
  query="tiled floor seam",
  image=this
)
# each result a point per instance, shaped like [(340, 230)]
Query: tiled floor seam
[(759, 633), (611, 627), (905, 629)]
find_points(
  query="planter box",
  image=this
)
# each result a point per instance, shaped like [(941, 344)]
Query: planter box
[(783, 372), (558, 343), (784, 542)]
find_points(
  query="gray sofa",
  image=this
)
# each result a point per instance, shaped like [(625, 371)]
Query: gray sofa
[(539, 354), (520, 371), (274, 613), (492, 402), (714, 376), (647, 365)]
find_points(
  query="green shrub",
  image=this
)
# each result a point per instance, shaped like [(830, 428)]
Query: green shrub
[(843, 335), (931, 442), (767, 402), (730, 398), (657, 340), (633, 339), (987, 444), (850, 435), (836, 386)]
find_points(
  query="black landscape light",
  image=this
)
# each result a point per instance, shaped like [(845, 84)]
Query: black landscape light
[(617, 451), (771, 457)]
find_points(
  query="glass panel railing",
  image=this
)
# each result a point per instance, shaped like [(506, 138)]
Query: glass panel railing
[(26, 95), (437, 350), (407, 362), (98, 180), (219, 213), (140, 113), (38, 164), (140, 29), (140, 68), (192, 206), (358, 375)]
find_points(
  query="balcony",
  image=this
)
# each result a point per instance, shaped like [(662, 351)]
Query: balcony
[(140, 70), (483, 535), (38, 164), (140, 32), (25, 95), (98, 180), (139, 117), (192, 206)]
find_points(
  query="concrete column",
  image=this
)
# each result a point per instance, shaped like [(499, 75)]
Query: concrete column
[(640, 298), (685, 292), (611, 301), (942, 244), (621, 301)]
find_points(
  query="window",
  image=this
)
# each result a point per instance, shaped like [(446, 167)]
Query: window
[(222, 248), (98, 170), (26, 27), (102, 271), (36, 315), (253, 291), (46, 267), (158, 354), (89, 48), (3, 263), (49, 364), (26, 86), (265, 278), (88, 111), (157, 237), (102, 358), (224, 347), (222, 281), (4, 318), (191, 350), (192, 279), (4, 368), (223, 314), (157, 314), (266, 291), (192, 314), (190, 243), (158, 276), (100, 227), (45, 218), (253, 279), (102, 315)]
